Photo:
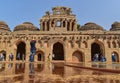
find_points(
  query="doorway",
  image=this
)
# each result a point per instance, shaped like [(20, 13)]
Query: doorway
[(58, 51)]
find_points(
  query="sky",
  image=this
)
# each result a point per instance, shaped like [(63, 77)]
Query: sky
[(101, 12)]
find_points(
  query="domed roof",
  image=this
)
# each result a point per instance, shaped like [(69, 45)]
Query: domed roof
[(4, 27), (3, 23), (115, 26), (91, 26), (26, 26)]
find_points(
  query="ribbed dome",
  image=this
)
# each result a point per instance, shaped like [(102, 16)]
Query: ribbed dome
[(3, 23), (4, 27), (26, 26), (115, 26), (91, 26)]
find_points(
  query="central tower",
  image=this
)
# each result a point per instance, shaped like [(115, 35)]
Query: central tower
[(60, 19)]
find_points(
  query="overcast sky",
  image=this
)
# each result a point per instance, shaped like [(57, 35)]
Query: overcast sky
[(102, 12)]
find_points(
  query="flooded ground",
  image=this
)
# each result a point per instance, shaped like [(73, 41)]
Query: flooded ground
[(53, 73)]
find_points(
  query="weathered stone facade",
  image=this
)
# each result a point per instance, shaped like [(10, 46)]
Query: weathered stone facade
[(59, 35)]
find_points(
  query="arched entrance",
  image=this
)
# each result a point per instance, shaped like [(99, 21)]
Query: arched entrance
[(96, 48), (21, 51), (3, 52), (58, 51), (39, 56), (77, 56), (115, 57)]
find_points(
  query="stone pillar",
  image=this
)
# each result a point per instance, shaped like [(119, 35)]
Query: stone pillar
[(5, 44), (107, 53), (8, 53), (27, 72), (62, 23), (75, 26), (119, 53), (45, 26), (35, 58), (41, 26), (66, 23), (50, 24), (55, 23), (27, 50), (15, 53)]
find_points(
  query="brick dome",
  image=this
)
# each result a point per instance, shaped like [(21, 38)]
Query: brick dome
[(115, 26), (26, 26), (4, 27), (91, 26)]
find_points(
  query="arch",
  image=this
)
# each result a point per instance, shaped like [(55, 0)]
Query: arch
[(55, 41), (58, 51), (40, 55), (21, 50), (115, 55), (58, 23), (77, 56), (97, 47), (3, 52)]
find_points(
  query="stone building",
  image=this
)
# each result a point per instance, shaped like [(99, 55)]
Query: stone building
[(59, 36)]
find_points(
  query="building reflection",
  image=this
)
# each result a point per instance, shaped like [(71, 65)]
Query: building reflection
[(58, 69), (31, 68), (37, 73), (19, 68), (10, 65), (2, 67)]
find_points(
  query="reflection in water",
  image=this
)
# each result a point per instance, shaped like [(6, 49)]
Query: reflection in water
[(52, 73), (58, 69), (18, 78), (115, 66), (99, 65), (10, 65), (2, 67), (31, 68), (39, 68), (19, 68)]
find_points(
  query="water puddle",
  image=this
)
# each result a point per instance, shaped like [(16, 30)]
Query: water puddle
[(52, 73)]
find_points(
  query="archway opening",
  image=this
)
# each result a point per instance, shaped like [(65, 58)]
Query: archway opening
[(3, 54), (58, 24), (21, 51), (115, 57), (96, 49), (39, 56), (77, 56), (58, 51)]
